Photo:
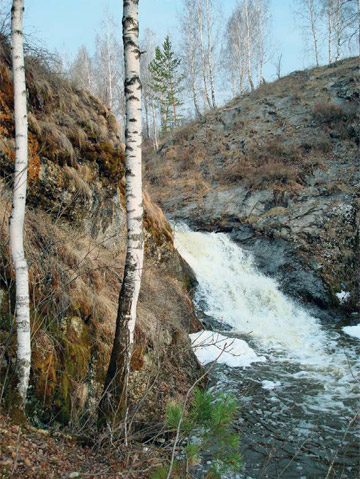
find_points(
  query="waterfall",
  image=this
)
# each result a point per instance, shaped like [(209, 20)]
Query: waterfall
[(231, 290)]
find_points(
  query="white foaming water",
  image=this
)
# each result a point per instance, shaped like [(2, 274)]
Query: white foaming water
[(231, 290)]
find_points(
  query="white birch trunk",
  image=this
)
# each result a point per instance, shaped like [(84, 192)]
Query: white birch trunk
[(114, 402), (330, 27), (260, 47), (134, 200), (19, 200), (192, 61), (193, 83), (338, 29), (202, 51), (210, 54), (248, 33), (240, 59), (109, 72), (313, 30)]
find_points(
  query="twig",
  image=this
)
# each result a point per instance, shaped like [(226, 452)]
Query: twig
[(342, 441)]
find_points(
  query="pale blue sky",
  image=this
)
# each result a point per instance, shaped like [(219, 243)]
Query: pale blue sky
[(64, 25)]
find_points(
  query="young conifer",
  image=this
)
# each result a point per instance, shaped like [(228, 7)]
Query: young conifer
[(166, 82)]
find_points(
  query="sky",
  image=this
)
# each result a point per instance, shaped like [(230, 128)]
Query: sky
[(64, 25)]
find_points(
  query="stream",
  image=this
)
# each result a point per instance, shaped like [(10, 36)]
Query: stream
[(299, 402)]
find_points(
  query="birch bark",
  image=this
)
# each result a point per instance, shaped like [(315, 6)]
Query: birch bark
[(338, 29), (190, 49), (19, 200), (109, 63), (199, 12), (248, 37), (330, 27), (114, 403), (240, 59), (210, 54), (313, 30)]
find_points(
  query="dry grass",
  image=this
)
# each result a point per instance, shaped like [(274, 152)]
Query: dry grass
[(74, 278), (81, 186), (156, 222), (55, 137)]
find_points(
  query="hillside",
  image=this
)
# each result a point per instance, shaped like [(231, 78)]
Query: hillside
[(75, 246), (279, 169)]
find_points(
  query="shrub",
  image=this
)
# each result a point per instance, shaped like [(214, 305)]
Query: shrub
[(206, 428), (328, 112)]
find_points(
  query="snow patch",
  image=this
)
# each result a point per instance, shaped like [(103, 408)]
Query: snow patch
[(209, 346), (343, 296), (352, 331), (270, 384)]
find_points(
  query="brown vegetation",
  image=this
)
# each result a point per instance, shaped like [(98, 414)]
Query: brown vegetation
[(276, 135), (75, 246)]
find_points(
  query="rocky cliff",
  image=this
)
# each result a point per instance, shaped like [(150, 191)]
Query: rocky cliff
[(75, 246), (279, 170)]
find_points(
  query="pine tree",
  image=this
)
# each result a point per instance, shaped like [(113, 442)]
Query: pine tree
[(166, 82)]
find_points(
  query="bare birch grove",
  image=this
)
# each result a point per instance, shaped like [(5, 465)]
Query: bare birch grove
[(330, 24), (114, 403), (22, 309), (247, 40), (190, 52)]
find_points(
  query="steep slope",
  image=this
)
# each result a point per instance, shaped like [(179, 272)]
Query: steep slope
[(75, 245), (279, 169)]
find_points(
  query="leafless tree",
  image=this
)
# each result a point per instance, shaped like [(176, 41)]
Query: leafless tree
[(247, 40), (147, 48), (109, 67), (190, 51), (308, 13), (278, 66), (81, 70), (114, 404), (19, 199), (339, 18)]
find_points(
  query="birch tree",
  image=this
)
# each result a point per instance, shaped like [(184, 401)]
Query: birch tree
[(5, 7), (339, 22), (329, 11), (109, 67), (200, 27), (247, 40), (235, 52), (210, 48), (309, 15), (147, 55), (208, 24), (262, 35), (22, 309), (81, 71), (114, 403), (190, 51), (248, 44)]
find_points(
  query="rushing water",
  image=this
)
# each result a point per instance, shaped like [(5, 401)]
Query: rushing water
[(299, 408)]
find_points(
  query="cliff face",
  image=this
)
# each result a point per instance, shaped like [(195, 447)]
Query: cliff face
[(75, 245), (279, 170)]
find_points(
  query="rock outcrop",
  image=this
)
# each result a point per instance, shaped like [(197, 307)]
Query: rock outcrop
[(279, 170)]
